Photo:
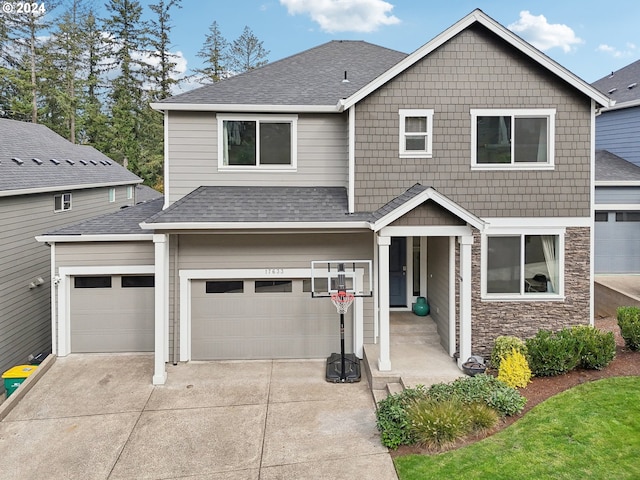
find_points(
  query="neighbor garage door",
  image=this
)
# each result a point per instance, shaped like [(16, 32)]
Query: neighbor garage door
[(263, 319), (112, 313), (617, 242)]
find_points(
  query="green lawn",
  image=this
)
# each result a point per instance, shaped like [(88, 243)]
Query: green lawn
[(589, 432)]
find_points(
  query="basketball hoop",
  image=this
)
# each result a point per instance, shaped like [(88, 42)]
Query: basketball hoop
[(342, 301)]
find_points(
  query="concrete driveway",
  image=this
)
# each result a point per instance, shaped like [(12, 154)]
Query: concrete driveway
[(99, 417)]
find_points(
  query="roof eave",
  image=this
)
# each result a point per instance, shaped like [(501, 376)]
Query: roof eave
[(246, 107), (617, 183), (124, 237), (253, 225), (59, 188), (481, 18), (620, 106)]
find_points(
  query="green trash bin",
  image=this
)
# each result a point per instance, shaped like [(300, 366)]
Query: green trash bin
[(14, 377)]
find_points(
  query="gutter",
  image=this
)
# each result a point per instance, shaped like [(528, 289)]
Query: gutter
[(63, 188)]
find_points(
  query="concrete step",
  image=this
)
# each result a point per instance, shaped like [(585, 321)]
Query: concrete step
[(391, 388)]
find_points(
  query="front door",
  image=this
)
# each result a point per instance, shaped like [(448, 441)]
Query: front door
[(398, 272)]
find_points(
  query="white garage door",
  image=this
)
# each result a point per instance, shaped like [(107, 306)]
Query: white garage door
[(617, 242), (263, 319), (112, 313)]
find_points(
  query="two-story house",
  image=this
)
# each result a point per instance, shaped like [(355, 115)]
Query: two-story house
[(45, 183), (464, 171)]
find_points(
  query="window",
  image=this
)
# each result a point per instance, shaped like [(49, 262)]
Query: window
[(270, 286), (102, 281), (137, 281), (415, 133), (627, 216), (62, 202), (523, 265), (129, 192), (602, 217), (112, 195), (224, 286), (512, 138), (266, 142)]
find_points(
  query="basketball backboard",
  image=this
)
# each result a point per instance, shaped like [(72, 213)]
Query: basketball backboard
[(326, 275)]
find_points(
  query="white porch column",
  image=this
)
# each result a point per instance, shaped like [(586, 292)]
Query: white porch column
[(384, 362), (161, 294), (465, 297)]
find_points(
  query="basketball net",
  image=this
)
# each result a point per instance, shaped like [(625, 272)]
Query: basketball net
[(342, 300)]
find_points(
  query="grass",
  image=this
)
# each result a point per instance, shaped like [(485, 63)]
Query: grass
[(590, 431)]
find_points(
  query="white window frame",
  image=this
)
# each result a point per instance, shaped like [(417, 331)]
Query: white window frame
[(522, 296), (112, 195), (129, 192), (65, 202), (407, 113), (548, 113), (292, 119)]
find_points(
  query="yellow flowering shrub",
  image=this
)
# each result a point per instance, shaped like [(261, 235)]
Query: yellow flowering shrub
[(514, 369)]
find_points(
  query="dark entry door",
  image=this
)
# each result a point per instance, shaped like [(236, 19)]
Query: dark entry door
[(398, 272)]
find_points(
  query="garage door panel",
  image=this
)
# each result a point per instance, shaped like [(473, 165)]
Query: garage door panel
[(616, 245), (264, 325)]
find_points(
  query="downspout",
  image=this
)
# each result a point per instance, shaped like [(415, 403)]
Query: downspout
[(176, 288)]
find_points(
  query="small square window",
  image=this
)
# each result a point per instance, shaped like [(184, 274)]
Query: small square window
[(602, 217), (62, 202), (416, 133)]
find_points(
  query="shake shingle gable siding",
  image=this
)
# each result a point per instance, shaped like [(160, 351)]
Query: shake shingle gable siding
[(312, 77), (37, 147)]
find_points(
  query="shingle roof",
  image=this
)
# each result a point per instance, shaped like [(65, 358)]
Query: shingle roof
[(620, 80), (312, 77), (75, 165), (259, 204), (612, 168), (123, 222), (397, 202)]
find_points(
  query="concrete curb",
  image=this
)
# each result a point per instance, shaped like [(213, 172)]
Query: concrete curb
[(27, 385)]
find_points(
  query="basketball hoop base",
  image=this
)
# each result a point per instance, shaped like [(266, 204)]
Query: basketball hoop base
[(351, 367)]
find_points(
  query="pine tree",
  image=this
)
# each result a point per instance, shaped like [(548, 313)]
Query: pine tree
[(215, 53), (165, 73), (247, 52)]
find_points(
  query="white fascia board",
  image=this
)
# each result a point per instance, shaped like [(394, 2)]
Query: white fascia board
[(620, 106), (532, 223), (245, 107), (142, 237), (64, 188), (499, 30), (617, 207), (254, 225), (429, 194), (617, 183)]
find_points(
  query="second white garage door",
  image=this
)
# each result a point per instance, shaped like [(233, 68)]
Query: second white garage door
[(263, 319)]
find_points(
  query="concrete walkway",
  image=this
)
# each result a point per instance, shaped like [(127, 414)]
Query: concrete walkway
[(99, 417)]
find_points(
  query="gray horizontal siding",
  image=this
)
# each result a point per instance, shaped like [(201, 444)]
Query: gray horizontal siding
[(104, 254), (25, 315), (619, 132), (621, 195), (193, 150)]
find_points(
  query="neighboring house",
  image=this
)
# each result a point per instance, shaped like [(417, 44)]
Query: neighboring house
[(617, 215), (618, 126), (464, 171), (45, 182)]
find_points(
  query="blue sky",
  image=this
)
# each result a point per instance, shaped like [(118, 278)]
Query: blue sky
[(589, 38)]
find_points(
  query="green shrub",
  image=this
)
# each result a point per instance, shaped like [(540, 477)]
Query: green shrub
[(597, 348), (481, 388), (552, 354), (391, 417), (629, 323), (481, 417), (503, 345), (514, 369), (437, 423)]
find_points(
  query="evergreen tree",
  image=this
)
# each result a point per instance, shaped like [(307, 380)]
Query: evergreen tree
[(164, 74), (215, 53), (247, 52)]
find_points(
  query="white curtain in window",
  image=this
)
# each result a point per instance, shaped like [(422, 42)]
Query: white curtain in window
[(225, 143), (551, 260), (542, 144)]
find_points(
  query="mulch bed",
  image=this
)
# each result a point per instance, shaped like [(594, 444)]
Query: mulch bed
[(626, 363)]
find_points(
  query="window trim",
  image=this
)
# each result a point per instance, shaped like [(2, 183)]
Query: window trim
[(63, 202), (112, 194), (292, 119), (548, 113), (129, 192), (415, 112), (523, 296)]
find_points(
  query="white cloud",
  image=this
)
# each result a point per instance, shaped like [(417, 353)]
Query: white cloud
[(630, 50), (544, 35), (344, 15)]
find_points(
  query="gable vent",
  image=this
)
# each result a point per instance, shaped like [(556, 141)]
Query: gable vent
[(83, 162), (612, 90), (55, 162), (632, 85), (93, 162), (70, 162), (37, 160), (17, 160)]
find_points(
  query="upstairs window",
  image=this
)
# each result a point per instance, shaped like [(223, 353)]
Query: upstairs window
[(112, 195), (415, 133), (512, 138), (267, 142), (62, 202)]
